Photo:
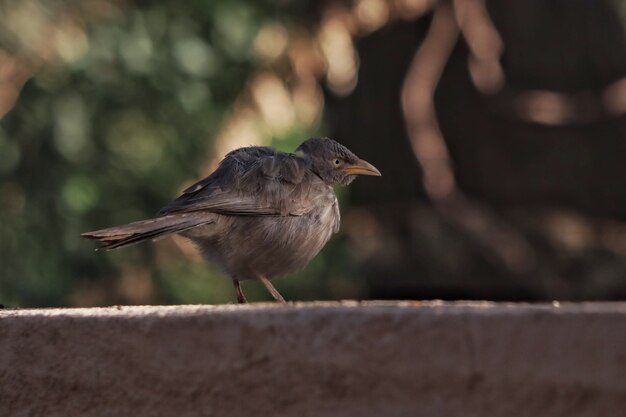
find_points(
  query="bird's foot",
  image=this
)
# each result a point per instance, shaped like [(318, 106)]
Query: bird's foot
[(272, 290), (241, 299)]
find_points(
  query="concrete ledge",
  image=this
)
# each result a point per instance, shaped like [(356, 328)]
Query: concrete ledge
[(319, 359)]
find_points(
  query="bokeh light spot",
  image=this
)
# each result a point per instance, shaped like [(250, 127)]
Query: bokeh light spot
[(79, 194), (72, 127), (195, 56)]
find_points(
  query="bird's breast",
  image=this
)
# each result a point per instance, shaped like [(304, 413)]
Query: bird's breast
[(295, 240), (246, 246)]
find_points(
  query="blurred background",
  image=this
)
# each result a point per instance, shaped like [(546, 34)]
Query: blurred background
[(499, 127)]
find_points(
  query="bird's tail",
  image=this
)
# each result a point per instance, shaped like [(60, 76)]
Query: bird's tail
[(128, 234)]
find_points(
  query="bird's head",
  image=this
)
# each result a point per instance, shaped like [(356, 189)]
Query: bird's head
[(333, 162)]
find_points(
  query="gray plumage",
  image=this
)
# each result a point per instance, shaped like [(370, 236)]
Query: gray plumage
[(261, 214)]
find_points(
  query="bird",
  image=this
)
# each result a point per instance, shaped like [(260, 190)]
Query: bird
[(261, 214)]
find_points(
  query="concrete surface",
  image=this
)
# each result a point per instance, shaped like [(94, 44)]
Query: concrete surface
[(319, 359)]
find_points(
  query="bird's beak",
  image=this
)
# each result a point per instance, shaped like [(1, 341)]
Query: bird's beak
[(362, 168)]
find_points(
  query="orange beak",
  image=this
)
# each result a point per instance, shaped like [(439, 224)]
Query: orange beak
[(362, 168)]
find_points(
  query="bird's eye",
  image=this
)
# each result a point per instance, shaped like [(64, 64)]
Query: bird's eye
[(337, 162)]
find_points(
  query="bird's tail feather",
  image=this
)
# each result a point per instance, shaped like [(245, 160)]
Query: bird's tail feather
[(128, 234)]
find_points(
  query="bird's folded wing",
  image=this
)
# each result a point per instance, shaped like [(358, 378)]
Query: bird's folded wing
[(252, 184), (234, 204)]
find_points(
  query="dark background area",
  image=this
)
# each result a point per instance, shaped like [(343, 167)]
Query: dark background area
[(499, 128)]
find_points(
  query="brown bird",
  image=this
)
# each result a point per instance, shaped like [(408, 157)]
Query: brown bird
[(261, 214)]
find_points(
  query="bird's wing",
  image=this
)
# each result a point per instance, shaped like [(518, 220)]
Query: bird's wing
[(254, 181)]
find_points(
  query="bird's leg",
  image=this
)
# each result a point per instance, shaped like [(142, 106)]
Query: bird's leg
[(241, 299), (271, 289)]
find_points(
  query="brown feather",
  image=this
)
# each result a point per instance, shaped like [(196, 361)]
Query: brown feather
[(115, 237)]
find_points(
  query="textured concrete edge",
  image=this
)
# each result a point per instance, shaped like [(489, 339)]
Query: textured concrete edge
[(316, 359), (423, 307)]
